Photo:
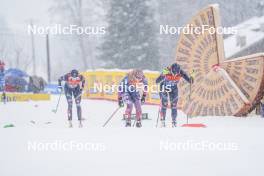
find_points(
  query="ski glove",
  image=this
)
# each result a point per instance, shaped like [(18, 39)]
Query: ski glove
[(192, 77), (120, 102), (191, 80), (143, 99), (59, 88)]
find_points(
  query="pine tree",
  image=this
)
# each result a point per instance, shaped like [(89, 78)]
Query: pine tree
[(131, 40)]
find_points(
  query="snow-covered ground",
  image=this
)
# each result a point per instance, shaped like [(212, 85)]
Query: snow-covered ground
[(41, 144)]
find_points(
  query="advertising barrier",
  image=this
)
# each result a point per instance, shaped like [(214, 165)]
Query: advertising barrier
[(108, 78), (27, 97)]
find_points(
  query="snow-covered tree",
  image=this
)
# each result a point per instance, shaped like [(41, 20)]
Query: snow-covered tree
[(13, 47), (131, 40), (83, 13)]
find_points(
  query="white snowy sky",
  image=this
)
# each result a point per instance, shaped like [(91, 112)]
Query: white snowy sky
[(18, 12)]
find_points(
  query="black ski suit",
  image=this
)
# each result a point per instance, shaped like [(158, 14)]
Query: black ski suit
[(168, 80), (73, 88)]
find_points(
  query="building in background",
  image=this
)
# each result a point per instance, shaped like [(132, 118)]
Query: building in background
[(249, 38)]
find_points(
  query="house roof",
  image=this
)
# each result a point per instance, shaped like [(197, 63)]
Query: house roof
[(251, 30)]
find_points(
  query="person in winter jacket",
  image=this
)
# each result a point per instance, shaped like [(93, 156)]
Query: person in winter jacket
[(130, 95), (74, 84), (2, 81), (168, 80)]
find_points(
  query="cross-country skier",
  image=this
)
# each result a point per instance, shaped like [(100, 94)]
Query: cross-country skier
[(2, 81), (130, 95), (74, 84), (168, 81)]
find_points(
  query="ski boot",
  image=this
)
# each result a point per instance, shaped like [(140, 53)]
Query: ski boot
[(174, 124), (70, 124), (163, 123), (128, 123), (138, 124), (80, 124)]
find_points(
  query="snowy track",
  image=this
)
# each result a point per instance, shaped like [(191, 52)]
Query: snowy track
[(125, 151), (96, 112)]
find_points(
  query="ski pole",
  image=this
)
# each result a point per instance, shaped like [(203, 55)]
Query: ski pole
[(188, 113), (79, 95), (134, 123), (157, 121), (57, 106), (112, 115), (190, 94)]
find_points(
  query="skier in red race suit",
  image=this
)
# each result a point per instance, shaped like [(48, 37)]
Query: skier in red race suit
[(130, 95), (168, 80), (74, 84)]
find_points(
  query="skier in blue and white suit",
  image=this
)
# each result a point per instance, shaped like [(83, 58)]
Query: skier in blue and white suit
[(168, 80)]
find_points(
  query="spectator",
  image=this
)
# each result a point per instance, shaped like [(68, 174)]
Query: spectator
[(2, 81)]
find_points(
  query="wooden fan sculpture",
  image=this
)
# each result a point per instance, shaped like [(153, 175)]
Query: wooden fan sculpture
[(221, 87)]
